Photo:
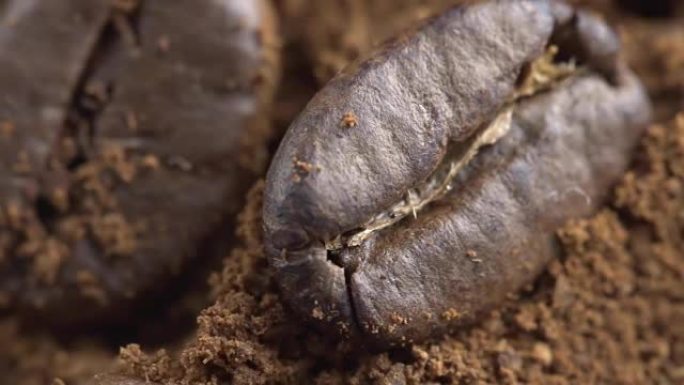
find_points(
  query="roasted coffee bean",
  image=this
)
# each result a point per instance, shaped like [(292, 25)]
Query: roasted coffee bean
[(128, 131), (473, 139)]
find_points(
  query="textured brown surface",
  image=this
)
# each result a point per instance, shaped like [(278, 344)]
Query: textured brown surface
[(609, 312)]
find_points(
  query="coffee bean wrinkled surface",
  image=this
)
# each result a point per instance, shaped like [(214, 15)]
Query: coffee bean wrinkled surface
[(422, 186)]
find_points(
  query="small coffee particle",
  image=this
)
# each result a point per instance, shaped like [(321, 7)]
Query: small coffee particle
[(349, 120), (7, 129), (151, 162), (164, 44), (317, 313), (302, 169), (542, 353), (451, 314)]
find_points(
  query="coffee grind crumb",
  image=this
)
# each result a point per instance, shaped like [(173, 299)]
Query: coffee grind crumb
[(607, 312)]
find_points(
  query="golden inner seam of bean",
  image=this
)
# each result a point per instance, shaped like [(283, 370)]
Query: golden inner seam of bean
[(541, 75)]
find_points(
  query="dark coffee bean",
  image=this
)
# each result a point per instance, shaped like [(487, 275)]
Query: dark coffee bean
[(129, 132), (475, 138)]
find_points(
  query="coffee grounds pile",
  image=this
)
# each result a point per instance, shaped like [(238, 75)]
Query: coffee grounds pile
[(609, 311)]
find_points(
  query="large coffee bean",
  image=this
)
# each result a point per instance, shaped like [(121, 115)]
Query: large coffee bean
[(422, 186)]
